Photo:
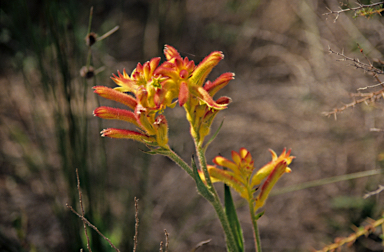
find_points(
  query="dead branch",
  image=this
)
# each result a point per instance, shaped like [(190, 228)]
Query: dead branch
[(367, 98), (93, 227), (136, 224), (375, 192), (85, 221), (82, 209), (357, 63), (355, 9), (166, 240)]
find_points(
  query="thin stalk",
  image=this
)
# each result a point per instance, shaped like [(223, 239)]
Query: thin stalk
[(256, 234), (89, 31), (179, 161), (203, 165), (230, 239)]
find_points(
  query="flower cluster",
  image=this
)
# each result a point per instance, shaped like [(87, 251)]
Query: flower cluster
[(238, 174), (151, 88)]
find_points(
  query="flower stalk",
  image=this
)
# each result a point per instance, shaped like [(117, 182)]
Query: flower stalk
[(230, 239), (256, 235), (152, 88)]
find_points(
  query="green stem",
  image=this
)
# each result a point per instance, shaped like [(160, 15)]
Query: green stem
[(179, 161), (230, 239), (256, 234)]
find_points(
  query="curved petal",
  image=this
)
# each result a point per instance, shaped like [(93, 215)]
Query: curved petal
[(115, 113), (126, 84), (205, 67), (153, 64), (263, 172), (206, 98), (201, 173), (128, 134), (274, 155), (273, 177), (236, 157), (213, 87), (170, 52), (115, 95), (183, 93), (222, 161), (230, 179)]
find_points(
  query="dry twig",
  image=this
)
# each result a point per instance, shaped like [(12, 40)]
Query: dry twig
[(85, 221), (200, 244), (364, 97), (353, 237), (136, 224), (367, 67), (367, 98), (355, 9), (82, 209), (166, 240), (161, 246), (93, 227), (375, 192)]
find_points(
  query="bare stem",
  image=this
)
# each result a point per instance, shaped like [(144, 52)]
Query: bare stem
[(82, 209), (93, 227), (136, 224)]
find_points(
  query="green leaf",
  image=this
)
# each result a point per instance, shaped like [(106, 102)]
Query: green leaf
[(157, 151), (201, 187), (234, 223), (257, 216), (214, 135)]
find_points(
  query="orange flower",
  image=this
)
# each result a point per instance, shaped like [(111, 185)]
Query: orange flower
[(238, 174), (152, 88), (187, 81), (144, 79), (152, 128)]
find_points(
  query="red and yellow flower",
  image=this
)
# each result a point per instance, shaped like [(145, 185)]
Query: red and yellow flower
[(196, 95), (239, 174), (151, 88)]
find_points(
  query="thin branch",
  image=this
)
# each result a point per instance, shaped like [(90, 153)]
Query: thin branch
[(353, 237), (200, 244), (93, 227), (371, 86), (161, 246), (379, 190), (166, 240), (357, 63), (82, 209), (109, 33), (367, 98), (376, 129), (355, 9), (136, 224)]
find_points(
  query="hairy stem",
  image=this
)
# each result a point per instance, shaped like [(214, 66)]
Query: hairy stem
[(256, 234), (230, 239), (179, 161)]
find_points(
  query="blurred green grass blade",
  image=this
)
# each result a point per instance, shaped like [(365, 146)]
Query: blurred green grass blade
[(214, 135), (230, 211), (326, 181)]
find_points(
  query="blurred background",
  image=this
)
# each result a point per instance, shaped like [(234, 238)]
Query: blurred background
[(285, 79)]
